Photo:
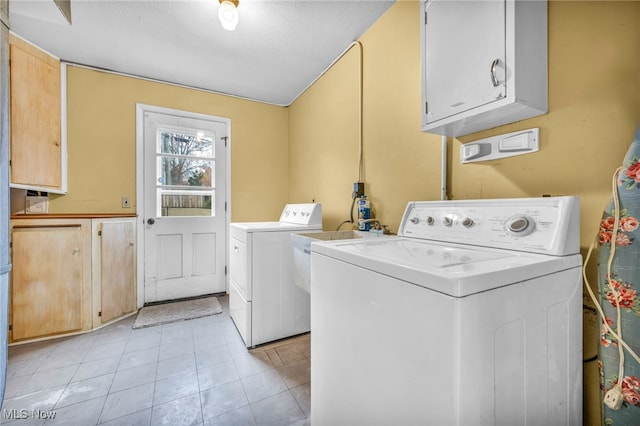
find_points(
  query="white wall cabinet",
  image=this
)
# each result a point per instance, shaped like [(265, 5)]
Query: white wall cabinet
[(484, 64)]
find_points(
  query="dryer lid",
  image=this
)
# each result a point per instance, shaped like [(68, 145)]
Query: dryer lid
[(454, 269)]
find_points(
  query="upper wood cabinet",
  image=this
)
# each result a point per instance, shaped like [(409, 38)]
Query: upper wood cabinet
[(484, 64), (37, 150)]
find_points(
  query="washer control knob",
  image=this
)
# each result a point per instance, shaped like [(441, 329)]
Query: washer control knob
[(468, 222), (521, 225), (414, 220), (447, 221), (430, 220)]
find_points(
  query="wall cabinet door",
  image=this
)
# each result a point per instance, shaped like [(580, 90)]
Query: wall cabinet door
[(484, 64), (114, 268), (36, 145), (49, 291), (460, 51)]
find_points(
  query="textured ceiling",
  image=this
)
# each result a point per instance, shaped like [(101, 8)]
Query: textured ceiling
[(278, 49)]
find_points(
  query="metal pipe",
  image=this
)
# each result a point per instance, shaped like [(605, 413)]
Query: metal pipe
[(443, 169)]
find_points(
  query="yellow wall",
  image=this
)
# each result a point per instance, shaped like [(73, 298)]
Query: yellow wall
[(400, 162), (594, 109), (594, 104), (102, 144)]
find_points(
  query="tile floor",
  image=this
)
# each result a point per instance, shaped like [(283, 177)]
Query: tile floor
[(195, 372)]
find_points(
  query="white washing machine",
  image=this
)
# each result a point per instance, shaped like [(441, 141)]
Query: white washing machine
[(471, 316), (264, 302)]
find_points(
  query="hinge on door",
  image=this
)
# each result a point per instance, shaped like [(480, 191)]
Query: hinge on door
[(100, 313), (225, 269), (10, 327), (99, 233), (225, 138), (225, 206), (425, 18), (426, 107), (9, 163)]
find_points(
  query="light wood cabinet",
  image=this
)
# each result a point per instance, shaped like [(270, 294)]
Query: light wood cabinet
[(114, 268), (484, 64), (50, 278), (70, 275), (37, 151)]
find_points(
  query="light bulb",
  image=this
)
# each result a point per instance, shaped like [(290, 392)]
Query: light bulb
[(228, 15)]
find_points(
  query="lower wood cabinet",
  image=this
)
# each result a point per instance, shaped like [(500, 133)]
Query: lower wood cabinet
[(114, 269), (50, 281), (70, 275)]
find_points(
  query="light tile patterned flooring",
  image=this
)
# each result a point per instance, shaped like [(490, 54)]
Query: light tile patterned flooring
[(195, 372)]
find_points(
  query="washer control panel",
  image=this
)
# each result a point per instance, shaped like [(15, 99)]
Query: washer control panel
[(302, 214), (548, 225)]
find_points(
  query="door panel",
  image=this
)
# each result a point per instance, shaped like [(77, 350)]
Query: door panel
[(184, 205), (203, 244), (169, 255), (47, 284), (35, 147), (460, 49), (117, 268)]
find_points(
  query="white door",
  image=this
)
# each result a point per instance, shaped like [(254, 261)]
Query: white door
[(184, 206)]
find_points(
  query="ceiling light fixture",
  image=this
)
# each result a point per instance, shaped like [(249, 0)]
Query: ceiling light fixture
[(228, 14)]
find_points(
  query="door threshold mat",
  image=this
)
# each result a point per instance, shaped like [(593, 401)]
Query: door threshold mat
[(167, 313)]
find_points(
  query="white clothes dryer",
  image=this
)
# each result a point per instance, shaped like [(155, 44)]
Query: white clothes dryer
[(471, 316), (264, 302)]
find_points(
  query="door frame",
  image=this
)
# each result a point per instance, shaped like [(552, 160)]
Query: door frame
[(140, 207)]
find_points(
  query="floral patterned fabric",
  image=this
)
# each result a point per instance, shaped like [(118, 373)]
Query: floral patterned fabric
[(625, 279)]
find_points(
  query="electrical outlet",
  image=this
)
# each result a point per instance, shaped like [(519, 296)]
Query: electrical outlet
[(35, 205), (614, 398), (358, 189), (125, 202)]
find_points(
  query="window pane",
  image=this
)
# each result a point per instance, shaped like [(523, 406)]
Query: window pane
[(186, 205), (185, 144), (185, 172)]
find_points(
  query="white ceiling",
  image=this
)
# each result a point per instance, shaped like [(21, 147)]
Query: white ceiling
[(278, 49)]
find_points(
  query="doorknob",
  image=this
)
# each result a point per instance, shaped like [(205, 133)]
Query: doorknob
[(151, 221)]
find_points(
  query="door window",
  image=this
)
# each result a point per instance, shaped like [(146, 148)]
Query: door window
[(185, 171)]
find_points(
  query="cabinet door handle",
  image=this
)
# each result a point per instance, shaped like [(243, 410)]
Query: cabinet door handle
[(236, 249), (56, 143), (494, 80)]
